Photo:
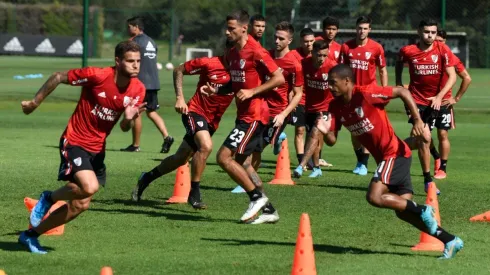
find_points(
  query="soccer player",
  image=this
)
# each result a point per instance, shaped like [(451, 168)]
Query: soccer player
[(361, 110), (107, 94), (257, 26), (279, 108), (330, 29), (428, 61), (248, 62), (315, 72), (201, 117), (149, 76), (307, 38), (364, 55), (440, 160)]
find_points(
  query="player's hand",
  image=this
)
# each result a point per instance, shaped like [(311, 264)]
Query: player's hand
[(436, 102), (244, 94), (181, 107), (132, 111), (207, 90), (418, 128), (28, 106), (279, 120), (449, 102), (324, 125)]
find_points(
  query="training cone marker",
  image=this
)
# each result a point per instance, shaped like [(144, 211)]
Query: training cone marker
[(485, 217), (2, 272), (283, 170), (30, 203), (182, 185), (106, 270), (238, 189), (427, 242), (304, 255)]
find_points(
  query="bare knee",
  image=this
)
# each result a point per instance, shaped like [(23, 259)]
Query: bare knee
[(442, 135), (222, 158), (300, 132), (206, 149), (79, 206), (374, 199)]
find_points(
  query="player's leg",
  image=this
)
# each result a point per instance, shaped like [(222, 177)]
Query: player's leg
[(299, 121), (312, 148), (204, 147), (317, 171), (152, 106), (435, 155), (136, 135), (444, 122), (362, 155)]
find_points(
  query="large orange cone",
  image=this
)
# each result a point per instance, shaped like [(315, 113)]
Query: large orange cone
[(304, 255), (182, 185), (30, 203), (283, 170), (427, 242), (106, 270), (485, 217)]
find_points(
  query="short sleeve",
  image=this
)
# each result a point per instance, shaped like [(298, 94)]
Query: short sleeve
[(380, 59), (447, 56), (264, 62), (88, 76), (377, 95), (460, 66), (196, 66), (343, 54), (402, 55), (298, 79)]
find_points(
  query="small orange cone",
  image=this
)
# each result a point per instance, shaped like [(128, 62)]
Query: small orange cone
[(182, 185), (30, 203), (283, 170), (427, 242), (485, 217), (304, 255), (106, 270)]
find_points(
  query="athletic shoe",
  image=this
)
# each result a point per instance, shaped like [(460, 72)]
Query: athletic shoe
[(131, 148), (363, 170), (278, 144), (324, 163), (31, 243), (40, 209), (267, 218), (196, 203), (451, 248), (317, 172), (254, 207), (440, 174), (298, 172), (167, 143), (138, 189), (429, 219), (437, 165), (426, 188), (356, 170)]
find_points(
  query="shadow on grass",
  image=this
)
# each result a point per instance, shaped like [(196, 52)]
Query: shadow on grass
[(317, 247), (355, 188), (15, 246), (157, 204)]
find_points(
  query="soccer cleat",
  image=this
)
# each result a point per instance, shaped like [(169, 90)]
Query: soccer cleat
[(317, 172), (196, 203), (40, 209), (437, 165), (167, 143), (139, 188), (451, 248), (278, 144), (266, 218), (254, 207), (324, 163), (131, 148), (363, 170), (429, 219), (426, 188), (357, 168), (440, 174), (31, 243), (298, 172)]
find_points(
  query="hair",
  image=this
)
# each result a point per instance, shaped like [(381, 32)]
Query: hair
[(320, 45), (330, 21), (363, 20), (306, 31), (342, 71), (427, 23), (126, 46), (442, 33), (241, 16), (136, 21), (285, 26), (257, 17)]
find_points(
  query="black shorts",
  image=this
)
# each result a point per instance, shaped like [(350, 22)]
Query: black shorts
[(272, 133), (442, 119), (245, 138), (194, 123), (312, 117), (395, 173), (298, 116), (151, 99), (75, 158)]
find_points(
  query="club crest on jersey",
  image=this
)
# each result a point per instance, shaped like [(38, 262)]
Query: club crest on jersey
[(200, 123), (336, 54), (78, 161), (359, 112), (368, 55), (214, 77), (325, 77), (434, 57), (242, 63)]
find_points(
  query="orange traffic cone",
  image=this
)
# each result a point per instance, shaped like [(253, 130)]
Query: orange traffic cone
[(30, 203), (485, 217), (106, 270), (427, 242), (182, 185), (304, 255), (283, 170)]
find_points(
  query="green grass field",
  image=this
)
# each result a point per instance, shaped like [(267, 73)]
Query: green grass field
[(350, 236)]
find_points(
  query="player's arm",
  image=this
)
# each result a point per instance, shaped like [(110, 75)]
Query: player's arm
[(178, 76), (406, 97), (463, 87), (398, 71), (53, 81), (383, 76), (131, 112), (297, 92), (276, 79), (437, 100), (381, 64)]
